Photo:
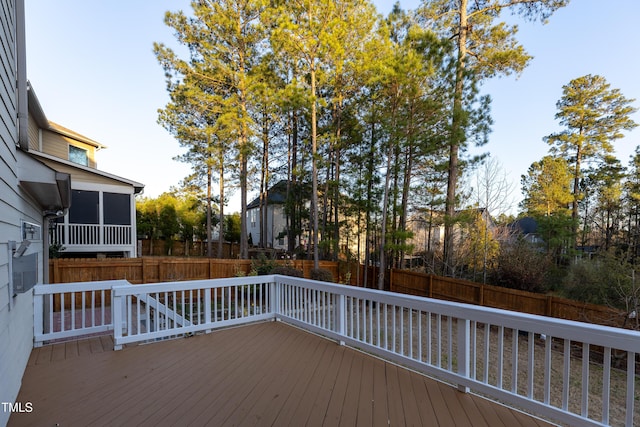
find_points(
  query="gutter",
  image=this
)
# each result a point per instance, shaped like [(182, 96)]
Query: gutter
[(21, 60)]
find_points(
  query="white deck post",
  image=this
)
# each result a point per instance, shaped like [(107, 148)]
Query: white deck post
[(274, 298), (38, 318), (342, 316), (207, 309), (117, 305)]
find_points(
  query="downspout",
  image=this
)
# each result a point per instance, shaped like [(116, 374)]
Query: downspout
[(21, 59)]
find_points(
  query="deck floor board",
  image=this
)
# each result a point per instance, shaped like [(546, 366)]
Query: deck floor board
[(262, 374)]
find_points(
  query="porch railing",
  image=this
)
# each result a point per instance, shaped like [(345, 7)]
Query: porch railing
[(92, 234), (571, 372)]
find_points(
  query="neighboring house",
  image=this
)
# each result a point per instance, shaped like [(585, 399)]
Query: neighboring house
[(428, 228), (102, 217), (276, 224), (525, 228), (30, 194), (428, 231)]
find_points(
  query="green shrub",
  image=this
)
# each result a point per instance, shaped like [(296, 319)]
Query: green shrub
[(605, 279), (287, 271), (322, 274), (262, 265)]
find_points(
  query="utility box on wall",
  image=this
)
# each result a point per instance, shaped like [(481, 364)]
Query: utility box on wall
[(25, 273)]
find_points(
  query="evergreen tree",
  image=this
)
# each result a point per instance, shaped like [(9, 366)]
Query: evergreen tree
[(224, 39), (594, 116), (483, 49), (547, 186)]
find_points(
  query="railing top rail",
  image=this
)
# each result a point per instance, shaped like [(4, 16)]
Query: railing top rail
[(607, 336), (191, 284), (78, 287)]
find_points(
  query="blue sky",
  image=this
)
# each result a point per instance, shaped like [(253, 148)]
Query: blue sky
[(93, 69)]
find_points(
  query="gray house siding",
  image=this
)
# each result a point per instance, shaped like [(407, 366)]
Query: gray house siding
[(16, 313)]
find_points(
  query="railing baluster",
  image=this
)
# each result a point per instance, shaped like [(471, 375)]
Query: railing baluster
[(51, 309), (450, 342), (514, 361), (547, 370), (73, 310), (487, 343), (566, 364), (393, 328), (93, 308), (62, 328), (500, 356), (370, 317), (128, 313), (439, 339), (102, 307), (84, 310), (410, 333), (419, 335), (631, 381), (401, 312), (463, 350), (474, 356), (530, 364), (584, 411), (385, 326), (138, 329), (429, 337), (378, 336), (174, 310)]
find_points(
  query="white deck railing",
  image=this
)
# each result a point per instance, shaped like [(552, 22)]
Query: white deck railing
[(571, 372), (73, 309), (92, 235)]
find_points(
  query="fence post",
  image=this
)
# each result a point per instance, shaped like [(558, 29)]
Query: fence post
[(464, 350), (144, 270)]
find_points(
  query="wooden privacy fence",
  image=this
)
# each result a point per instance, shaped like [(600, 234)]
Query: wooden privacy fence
[(409, 282), (169, 269)]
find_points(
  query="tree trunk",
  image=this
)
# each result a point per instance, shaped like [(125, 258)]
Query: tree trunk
[(221, 218), (369, 203), (454, 146), (314, 173), (209, 213)]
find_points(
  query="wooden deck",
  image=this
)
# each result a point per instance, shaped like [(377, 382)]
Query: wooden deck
[(262, 374)]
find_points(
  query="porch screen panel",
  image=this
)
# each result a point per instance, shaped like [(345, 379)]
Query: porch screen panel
[(84, 207), (117, 208)]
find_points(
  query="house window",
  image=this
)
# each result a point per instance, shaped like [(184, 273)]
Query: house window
[(78, 155), (117, 208), (84, 207)]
